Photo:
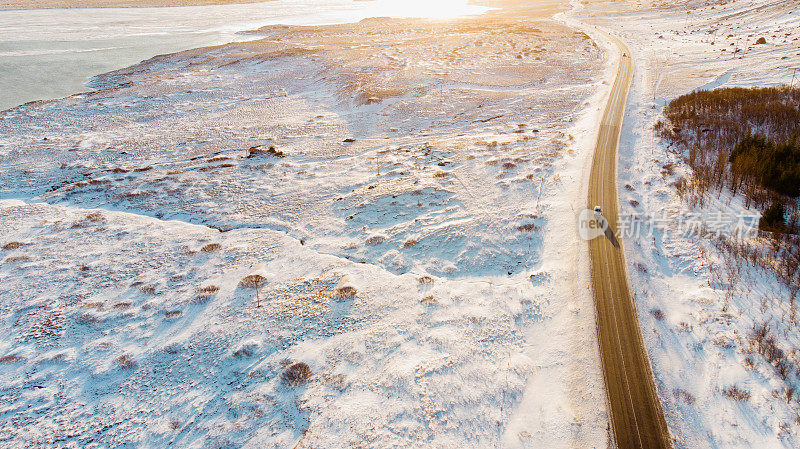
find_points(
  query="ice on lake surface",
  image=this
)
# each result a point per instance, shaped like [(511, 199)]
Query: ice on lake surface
[(47, 54)]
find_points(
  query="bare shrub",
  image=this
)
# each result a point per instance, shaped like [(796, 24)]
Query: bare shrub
[(410, 243), (244, 351), (657, 314), (425, 280), (261, 151), (684, 395), (208, 290), (528, 227), (297, 374), (735, 393), (428, 300), (125, 362), (170, 314), (211, 247), (148, 289), (253, 281), (346, 292)]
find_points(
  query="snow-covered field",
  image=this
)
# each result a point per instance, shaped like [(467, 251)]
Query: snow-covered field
[(408, 190), (697, 306)]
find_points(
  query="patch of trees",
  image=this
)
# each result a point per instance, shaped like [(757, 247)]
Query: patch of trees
[(745, 140)]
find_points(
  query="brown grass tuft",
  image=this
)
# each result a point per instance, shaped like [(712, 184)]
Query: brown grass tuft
[(410, 243), (297, 374), (11, 358), (13, 245), (125, 362)]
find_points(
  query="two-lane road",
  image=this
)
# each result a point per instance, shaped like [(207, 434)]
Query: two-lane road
[(636, 415)]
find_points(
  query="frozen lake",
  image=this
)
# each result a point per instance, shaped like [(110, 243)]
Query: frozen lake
[(52, 53)]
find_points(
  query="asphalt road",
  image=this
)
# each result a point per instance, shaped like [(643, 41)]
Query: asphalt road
[(636, 417)]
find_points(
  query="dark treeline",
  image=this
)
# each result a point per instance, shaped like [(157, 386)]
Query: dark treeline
[(742, 139)]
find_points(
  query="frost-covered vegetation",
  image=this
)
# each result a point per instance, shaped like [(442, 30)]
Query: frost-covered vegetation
[(393, 194)]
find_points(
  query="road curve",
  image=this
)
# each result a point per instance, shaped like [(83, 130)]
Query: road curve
[(636, 416)]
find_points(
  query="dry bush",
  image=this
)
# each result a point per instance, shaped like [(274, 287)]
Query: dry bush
[(244, 351), (252, 281), (410, 243), (529, 227), (297, 374), (170, 314), (217, 159), (125, 305), (125, 362), (684, 395), (657, 314), (205, 293), (13, 245), (735, 393), (261, 151), (440, 174), (425, 280), (346, 292), (211, 247), (18, 259), (148, 289), (11, 358), (428, 300)]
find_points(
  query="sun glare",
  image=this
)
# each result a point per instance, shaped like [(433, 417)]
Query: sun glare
[(431, 9)]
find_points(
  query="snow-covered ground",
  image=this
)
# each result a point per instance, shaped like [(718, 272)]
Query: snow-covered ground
[(697, 306), (408, 189)]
